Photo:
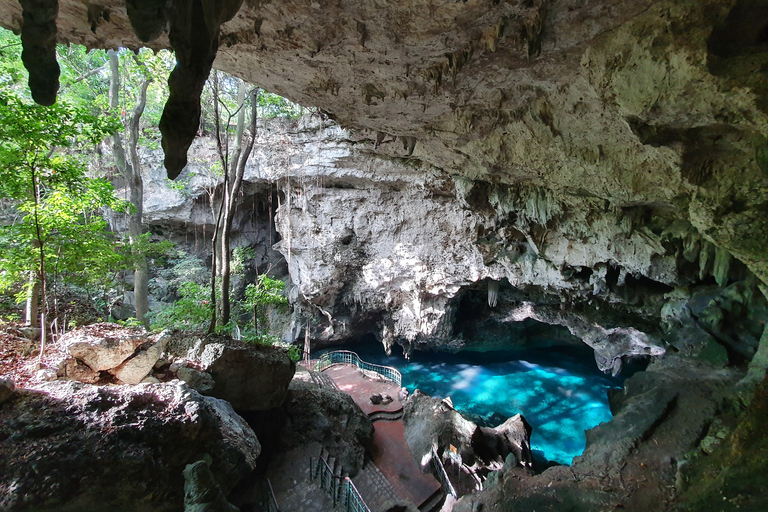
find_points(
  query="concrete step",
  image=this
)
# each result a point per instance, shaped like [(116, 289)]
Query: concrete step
[(386, 415), (376, 490), (434, 503), (323, 380), (289, 473)]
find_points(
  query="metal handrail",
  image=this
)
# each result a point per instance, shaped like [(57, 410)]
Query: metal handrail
[(442, 475), (348, 357), (353, 500), (271, 500), (342, 490)]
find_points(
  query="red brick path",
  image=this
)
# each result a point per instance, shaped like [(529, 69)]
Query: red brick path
[(389, 451)]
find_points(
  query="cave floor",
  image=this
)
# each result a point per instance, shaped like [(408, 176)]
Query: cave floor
[(388, 451)]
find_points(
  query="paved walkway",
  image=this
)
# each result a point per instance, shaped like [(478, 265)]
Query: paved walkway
[(389, 451)]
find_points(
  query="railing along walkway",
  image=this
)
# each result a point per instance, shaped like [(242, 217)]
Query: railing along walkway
[(270, 498), (442, 475), (342, 490), (368, 369)]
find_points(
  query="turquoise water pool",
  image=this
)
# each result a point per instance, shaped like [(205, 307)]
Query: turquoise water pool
[(559, 390)]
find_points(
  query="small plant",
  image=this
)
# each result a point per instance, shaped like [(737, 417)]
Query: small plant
[(192, 311), (265, 292), (130, 322), (270, 340), (240, 258)]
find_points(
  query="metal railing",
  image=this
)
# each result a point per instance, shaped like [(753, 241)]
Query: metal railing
[(342, 490), (368, 369), (442, 475), (269, 498)]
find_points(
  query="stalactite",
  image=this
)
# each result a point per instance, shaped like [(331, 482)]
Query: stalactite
[(722, 266), (493, 293), (194, 36), (38, 39)]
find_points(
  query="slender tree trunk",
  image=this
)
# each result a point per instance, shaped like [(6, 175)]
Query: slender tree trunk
[(230, 191), (41, 268), (132, 174), (234, 169), (32, 301), (236, 172)]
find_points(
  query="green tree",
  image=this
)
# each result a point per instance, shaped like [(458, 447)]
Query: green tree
[(265, 292), (40, 169), (233, 165)]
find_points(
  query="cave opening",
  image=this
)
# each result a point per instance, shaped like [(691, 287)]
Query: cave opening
[(508, 365)]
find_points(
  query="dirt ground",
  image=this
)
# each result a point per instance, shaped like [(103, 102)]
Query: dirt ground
[(19, 355)]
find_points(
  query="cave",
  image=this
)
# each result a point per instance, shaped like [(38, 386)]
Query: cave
[(473, 184)]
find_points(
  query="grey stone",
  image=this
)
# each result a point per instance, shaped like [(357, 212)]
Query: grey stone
[(201, 381), (45, 375), (103, 346), (251, 377), (133, 370), (146, 436), (73, 369), (201, 492), (31, 333), (6, 389)]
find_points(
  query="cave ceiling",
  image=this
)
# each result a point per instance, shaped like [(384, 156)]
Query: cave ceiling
[(658, 104)]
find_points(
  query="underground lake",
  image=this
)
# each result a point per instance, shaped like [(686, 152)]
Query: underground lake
[(559, 390)]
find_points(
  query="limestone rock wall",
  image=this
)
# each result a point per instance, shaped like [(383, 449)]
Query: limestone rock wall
[(641, 103), (398, 249)]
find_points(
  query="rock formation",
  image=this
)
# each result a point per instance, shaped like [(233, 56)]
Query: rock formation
[(651, 107), (598, 169), (251, 377), (74, 446)]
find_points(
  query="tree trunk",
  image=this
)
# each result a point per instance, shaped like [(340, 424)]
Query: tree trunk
[(40, 244), (234, 169), (32, 301), (132, 174)]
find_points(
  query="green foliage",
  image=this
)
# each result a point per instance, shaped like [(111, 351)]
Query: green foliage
[(184, 268), (271, 105), (144, 247), (131, 322), (58, 204), (262, 338), (178, 185), (267, 291), (240, 258), (192, 311)]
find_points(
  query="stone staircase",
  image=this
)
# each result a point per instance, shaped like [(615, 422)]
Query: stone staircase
[(376, 490), (294, 490), (322, 380), (386, 415)]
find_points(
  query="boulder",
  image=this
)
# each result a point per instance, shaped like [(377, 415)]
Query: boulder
[(103, 346), (196, 379), (69, 446), (73, 369), (31, 333), (432, 422), (201, 493), (251, 377), (134, 369), (6, 389), (511, 438), (328, 417)]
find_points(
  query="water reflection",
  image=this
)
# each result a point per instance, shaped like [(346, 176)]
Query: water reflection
[(559, 390)]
